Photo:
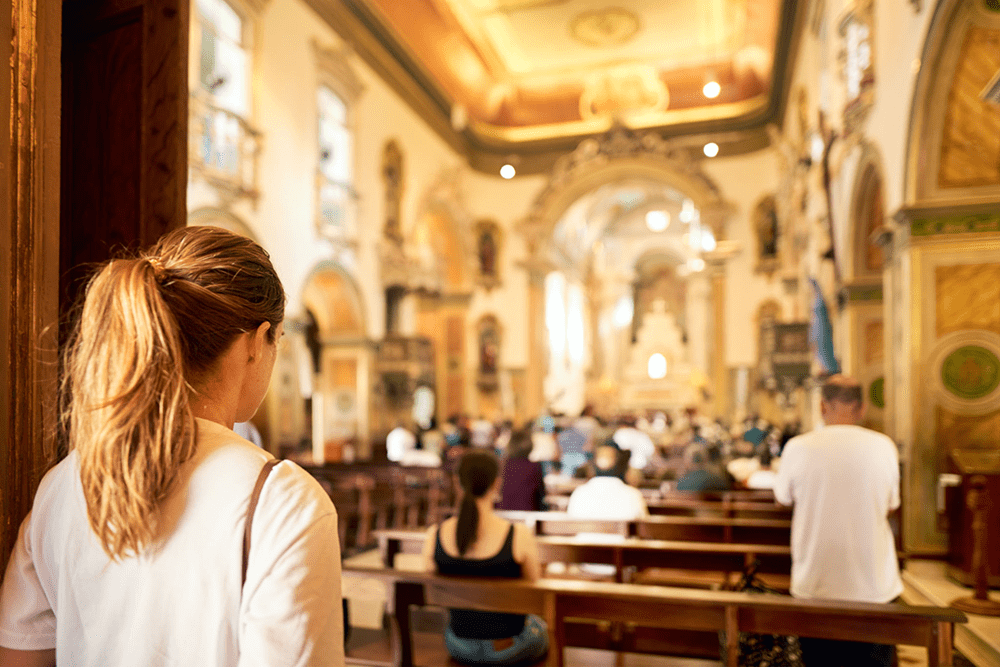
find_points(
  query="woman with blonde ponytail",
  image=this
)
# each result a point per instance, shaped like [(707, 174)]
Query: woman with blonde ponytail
[(133, 551), (479, 543)]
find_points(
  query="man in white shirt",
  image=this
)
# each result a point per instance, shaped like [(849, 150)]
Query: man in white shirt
[(606, 496), (398, 442), (843, 482), (641, 445)]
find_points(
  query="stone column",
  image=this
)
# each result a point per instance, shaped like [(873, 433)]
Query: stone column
[(719, 376), (537, 357)]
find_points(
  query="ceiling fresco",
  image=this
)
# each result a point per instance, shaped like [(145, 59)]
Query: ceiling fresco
[(518, 74)]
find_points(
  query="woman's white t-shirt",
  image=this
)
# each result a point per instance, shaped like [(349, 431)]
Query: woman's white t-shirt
[(181, 601)]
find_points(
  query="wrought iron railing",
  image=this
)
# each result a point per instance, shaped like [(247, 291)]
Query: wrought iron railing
[(223, 148)]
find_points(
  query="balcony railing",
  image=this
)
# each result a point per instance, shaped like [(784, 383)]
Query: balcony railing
[(336, 210), (223, 148)]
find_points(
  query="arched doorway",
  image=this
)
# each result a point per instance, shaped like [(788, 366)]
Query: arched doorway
[(862, 294), (340, 368), (440, 283), (623, 217)]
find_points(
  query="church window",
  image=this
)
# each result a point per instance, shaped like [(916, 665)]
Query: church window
[(337, 95), (555, 316), (336, 162), (223, 146), (224, 60), (575, 340)]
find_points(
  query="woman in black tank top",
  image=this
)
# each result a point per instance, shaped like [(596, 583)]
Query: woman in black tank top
[(478, 543)]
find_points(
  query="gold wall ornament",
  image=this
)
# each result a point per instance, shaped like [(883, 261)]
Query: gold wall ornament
[(623, 91), (488, 349), (767, 231), (392, 179), (488, 237), (857, 59), (612, 26)]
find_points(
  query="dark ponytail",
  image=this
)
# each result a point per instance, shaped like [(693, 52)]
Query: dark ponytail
[(477, 471)]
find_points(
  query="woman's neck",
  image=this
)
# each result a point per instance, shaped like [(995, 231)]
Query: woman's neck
[(485, 505)]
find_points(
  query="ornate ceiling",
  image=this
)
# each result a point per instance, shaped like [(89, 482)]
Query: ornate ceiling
[(527, 77)]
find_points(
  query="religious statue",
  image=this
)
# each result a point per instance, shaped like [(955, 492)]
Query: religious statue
[(487, 253), (392, 175), (765, 224), (489, 353)]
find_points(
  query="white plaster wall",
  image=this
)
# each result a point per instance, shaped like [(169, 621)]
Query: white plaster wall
[(285, 82), (743, 180), (507, 203)]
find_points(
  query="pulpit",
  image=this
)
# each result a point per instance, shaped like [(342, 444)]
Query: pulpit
[(980, 472)]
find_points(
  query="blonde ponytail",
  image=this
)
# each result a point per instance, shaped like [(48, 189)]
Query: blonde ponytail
[(149, 329), (130, 419)]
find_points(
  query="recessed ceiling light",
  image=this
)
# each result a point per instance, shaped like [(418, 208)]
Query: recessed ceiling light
[(657, 221), (696, 264), (711, 149), (507, 171), (712, 89)]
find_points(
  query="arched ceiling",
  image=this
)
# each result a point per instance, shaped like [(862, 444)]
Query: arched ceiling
[(527, 77), (609, 227)]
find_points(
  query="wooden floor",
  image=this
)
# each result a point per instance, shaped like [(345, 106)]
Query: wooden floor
[(927, 583)]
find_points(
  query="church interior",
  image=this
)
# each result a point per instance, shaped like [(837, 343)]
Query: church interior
[(681, 215)]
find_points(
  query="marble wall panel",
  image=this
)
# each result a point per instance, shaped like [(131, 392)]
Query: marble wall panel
[(970, 145), (967, 297), (959, 431)]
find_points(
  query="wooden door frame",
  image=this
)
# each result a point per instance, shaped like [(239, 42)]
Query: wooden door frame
[(29, 257)]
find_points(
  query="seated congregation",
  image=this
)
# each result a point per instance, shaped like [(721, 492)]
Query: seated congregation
[(668, 550)]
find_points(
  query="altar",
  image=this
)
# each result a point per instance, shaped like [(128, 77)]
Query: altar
[(659, 374)]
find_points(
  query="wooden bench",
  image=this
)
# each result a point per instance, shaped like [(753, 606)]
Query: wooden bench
[(675, 528), (626, 554), (659, 620), (352, 496), (399, 495)]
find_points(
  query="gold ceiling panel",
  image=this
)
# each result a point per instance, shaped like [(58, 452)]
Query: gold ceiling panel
[(523, 75)]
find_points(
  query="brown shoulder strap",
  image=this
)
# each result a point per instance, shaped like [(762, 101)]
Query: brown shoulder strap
[(254, 497)]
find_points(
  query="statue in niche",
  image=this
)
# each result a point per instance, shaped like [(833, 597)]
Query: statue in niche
[(392, 175), (487, 253), (489, 353), (765, 225)]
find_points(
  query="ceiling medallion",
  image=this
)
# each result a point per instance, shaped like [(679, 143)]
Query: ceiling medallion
[(605, 27)]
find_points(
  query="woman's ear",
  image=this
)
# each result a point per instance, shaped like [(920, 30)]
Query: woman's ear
[(258, 339)]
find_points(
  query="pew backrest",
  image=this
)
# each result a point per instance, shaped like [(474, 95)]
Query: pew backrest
[(668, 609)]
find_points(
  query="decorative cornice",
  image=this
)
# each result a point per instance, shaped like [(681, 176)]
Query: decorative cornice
[(869, 292), (945, 219), (623, 144)]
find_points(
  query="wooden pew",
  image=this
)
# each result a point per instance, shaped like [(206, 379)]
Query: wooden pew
[(678, 504), (401, 495), (674, 528), (352, 496), (661, 620), (627, 554)]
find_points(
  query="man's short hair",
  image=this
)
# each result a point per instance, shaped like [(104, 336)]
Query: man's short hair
[(841, 389)]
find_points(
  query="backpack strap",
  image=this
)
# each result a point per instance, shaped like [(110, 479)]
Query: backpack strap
[(254, 497)]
